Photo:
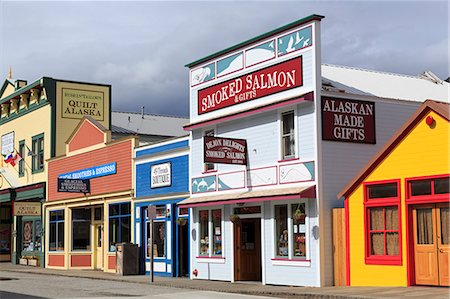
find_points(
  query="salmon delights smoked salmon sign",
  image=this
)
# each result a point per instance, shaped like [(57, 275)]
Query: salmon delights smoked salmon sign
[(348, 120), (225, 150), (270, 80)]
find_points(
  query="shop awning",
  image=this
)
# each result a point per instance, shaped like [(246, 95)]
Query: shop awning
[(307, 191)]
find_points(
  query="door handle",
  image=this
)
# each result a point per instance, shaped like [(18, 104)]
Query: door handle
[(441, 250)]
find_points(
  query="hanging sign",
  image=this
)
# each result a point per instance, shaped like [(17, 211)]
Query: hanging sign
[(74, 186), (225, 150), (270, 80), (7, 143), (348, 120), (161, 175)]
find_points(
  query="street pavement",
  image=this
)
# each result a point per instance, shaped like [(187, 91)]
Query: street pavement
[(30, 282)]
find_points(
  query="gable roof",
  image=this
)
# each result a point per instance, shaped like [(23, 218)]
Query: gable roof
[(5, 85), (384, 84), (443, 109), (95, 123)]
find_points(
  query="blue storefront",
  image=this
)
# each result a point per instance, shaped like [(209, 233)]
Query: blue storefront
[(162, 180)]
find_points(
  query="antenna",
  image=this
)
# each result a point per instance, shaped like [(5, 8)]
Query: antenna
[(10, 73), (142, 114)]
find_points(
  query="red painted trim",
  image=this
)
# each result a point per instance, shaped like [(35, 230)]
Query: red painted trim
[(306, 97), (410, 265), (418, 199), (112, 262), (276, 176), (382, 202), (210, 257), (288, 160), (347, 241), (290, 260), (56, 260), (279, 175), (245, 180), (30, 187), (209, 171), (80, 260)]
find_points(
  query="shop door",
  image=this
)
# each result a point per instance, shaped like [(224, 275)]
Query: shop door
[(431, 244), (98, 249), (247, 250), (183, 248)]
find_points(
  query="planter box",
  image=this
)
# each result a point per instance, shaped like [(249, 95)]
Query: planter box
[(34, 263), (23, 261)]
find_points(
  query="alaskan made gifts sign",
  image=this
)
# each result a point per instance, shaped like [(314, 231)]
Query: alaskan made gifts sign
[(348, 120)]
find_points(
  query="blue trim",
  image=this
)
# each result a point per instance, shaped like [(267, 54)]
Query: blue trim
[(118, 216), (162, 148)]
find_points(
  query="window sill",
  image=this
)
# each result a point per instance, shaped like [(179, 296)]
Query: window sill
[(210, 259), (397, 261), (291, 262), (288, 160), (209, 171), (37, 171)]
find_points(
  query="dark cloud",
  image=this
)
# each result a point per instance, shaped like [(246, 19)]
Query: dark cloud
[(140, 48)]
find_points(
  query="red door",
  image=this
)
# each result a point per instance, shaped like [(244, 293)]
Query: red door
[(247, 249)]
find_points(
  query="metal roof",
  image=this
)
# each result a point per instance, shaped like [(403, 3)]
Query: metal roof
[(149, 124), (385, 85)]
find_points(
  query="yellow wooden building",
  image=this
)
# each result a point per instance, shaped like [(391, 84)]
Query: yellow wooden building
[(397, 207), (36, 120)]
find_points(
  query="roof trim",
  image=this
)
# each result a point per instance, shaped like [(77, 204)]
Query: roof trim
[(429, 105), (307, 19), (21, 90)]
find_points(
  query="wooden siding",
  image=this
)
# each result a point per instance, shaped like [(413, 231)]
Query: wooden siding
[(339, 247), (87, 135), (121, 153)]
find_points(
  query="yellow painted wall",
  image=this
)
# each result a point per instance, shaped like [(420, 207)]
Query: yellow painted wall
[(86, 95), (424, 152), (8, 90), (24, 128)]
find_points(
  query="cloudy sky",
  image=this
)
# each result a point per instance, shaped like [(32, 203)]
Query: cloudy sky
[(141, 47)]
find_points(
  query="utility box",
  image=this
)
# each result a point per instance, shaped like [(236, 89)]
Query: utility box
[(127, 259)]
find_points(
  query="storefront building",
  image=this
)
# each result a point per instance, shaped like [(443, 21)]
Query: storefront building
[(397, 207), (89, 199), (275, 136), (35, 121), (162, 180)]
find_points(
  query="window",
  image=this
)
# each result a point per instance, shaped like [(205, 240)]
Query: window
[(5, 228), (56, 238), (288, 135), (22, 161), (209, 166), (119, 224), (38, 153), (290, 230), (81, 229), (429, 187), (211, 234), (382, 226), (159, 232), (31, 240)]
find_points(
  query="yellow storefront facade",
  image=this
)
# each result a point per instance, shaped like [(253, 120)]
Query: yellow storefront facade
[(35, 121), (397, 207)]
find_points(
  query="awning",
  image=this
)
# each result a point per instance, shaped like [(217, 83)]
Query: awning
[(307, 191)]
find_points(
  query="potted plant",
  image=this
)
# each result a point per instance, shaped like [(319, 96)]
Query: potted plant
[(181, 221), (298, 215), (33, 261), (23, 260), (234, 218)]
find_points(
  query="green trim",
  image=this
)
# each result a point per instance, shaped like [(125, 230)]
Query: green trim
[(22, 162), (30, 194), (5, 197), (5, 85), (22, 112), (50, 90), (20, 91), (35, 139), (259, 37)]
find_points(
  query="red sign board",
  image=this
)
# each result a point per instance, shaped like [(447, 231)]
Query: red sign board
[(270, 80), (225, 150), (348, 120)]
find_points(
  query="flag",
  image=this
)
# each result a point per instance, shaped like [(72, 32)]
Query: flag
[(30, 152), (9, 158), (17, 158)]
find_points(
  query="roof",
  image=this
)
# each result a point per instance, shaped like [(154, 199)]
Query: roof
[(386, 85), (149, 124), (443, 109), (119, 130), (305, 20)]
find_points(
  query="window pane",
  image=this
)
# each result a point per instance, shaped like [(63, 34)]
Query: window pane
[(282, 236), (28, 244), (441, 186), (377, 243), (424, 226), (53, 216), (113, 233), (113, 210), (81, 235), (383, 191), (391, 243), (60, 238), (299, 229), (288, 122), (81, 214), (204, 239), (125, 235), (420, 188), (391, 218), (5, 238), (445, 225), (159, 233), (217, 231), (52, 237), (376, 219), (125, 208), (37, 235)]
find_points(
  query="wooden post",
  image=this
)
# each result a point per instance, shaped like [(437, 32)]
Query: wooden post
[(339, 247)]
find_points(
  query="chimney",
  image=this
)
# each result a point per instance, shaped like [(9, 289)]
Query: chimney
[(20, 83)]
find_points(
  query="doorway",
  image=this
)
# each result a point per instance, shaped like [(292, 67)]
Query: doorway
[(431, 230), (98, 246), (183, 250), (247, 249)]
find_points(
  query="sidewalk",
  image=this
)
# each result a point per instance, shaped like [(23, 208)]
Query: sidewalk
[(247, 288)]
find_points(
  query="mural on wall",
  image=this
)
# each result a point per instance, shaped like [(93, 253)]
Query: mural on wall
[(295, 41), (230, 64), (233, 180), (298, 172), (260, 53), (203, 74), (204, 184)]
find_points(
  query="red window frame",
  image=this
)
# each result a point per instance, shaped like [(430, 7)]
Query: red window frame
[(382, 203), (428, 198)]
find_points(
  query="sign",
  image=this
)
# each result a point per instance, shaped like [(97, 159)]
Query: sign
[(270, 80), (74, 185), (7, 143), (27, 208), (92, 172), (225, 150), (77, 103), (348, 120), (161, 175)]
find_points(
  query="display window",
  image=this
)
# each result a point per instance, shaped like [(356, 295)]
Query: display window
[(81, 229), (119, 224), (31, 236), (5, 229), (56, 237), (211, 233), (159, 233)]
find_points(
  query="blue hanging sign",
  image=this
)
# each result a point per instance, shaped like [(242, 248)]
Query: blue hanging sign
[(92, 172)]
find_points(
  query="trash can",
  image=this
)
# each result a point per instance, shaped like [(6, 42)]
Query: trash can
[(127, 259)]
